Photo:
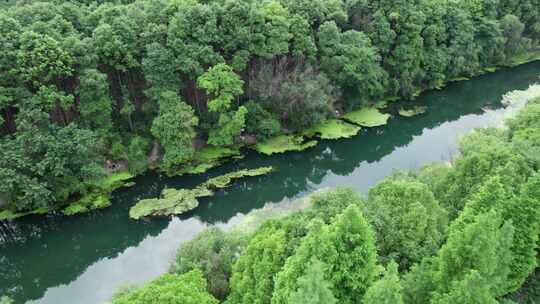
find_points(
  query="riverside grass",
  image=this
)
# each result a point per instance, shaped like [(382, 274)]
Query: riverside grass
[(179, 201)]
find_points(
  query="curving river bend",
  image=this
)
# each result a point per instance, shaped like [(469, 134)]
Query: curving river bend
[(84, 259)]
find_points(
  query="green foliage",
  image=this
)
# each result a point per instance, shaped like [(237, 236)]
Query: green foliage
[(253, 274), (386, 290), (367, 117), (476, 254), (312, 287), (87, 203), (42, 59), (108, 68), (223, 85), (407, 219), (95, 103), (99, 194), (301, 96), (352, 62), (484, 152), (347, 246), (284, 143), (187, 288), (174, 127), (228, 127), (512, 29), (261, 122), (137, 154), (214, 252), (329, 204), (46, 163)]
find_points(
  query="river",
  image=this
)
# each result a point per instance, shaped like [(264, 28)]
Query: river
[(84, 259)]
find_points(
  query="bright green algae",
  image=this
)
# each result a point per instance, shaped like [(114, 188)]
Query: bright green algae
[(178, 201), (333, 129), (284, 143), (367, 117)]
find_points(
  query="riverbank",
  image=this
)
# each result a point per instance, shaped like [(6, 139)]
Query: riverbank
[(486, 199), (344, 126), (73, 257)]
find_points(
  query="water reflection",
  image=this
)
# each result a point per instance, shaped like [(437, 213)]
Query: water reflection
[(83, 259)]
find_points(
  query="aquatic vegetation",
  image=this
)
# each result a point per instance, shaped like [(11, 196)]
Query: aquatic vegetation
[(456, 79), (333, 129), (172, 201), (9, 214), (92, 201), (412, 112), (205, 159), (284, 143), (99, 194), (178, 201), (223, 181), (367, 117)]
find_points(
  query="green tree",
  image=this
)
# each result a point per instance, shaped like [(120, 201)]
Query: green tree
[(407, 219), (223, 85), (188, 288), (45, 163), (214, 252), (346, 246), (482, 246), (387, 290), (94, 103), (349, 59), (301, 97), (127, 112), (174, 128), (42, 60), (313, 287), (253, 274), (137, 154), (512, 29), (472, 289), (484, 152)]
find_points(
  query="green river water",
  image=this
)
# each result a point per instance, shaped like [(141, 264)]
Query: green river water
[(83, 259)]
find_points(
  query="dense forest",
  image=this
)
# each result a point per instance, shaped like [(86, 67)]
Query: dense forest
[(460, 233), (139, 84)]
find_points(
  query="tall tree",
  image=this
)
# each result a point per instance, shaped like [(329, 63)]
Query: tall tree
[(223, 85), (408, 221), (386, 290), (174, 128), (347, 246), (313, 287)]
